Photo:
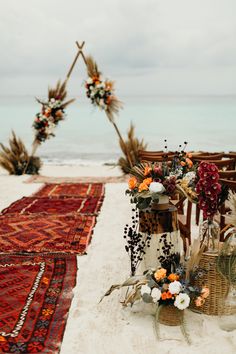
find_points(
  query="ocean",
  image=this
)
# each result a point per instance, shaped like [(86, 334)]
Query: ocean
[(87, 137)]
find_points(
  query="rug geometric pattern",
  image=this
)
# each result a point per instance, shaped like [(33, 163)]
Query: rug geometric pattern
[(35, 297), (80, 190), (46, 233)]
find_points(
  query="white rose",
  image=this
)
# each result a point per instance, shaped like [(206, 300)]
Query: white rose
[(182, 301), (89, 81), (156, 187), (145, 289), (156, 294), (175, 287)]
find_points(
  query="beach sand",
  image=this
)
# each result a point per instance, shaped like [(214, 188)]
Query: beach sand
[(107, 328)]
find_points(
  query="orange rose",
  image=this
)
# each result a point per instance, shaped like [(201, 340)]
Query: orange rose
[(147, 181), (143, 187), (182, 163), (164, 296), (199, 301), (205, 293), (189, 155), (168, 295), (173, 277), (132, 183), (160, 274), (59, 113), (147, 170)]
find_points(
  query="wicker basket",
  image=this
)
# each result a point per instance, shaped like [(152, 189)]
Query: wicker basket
[(169, 315), (218, 286)]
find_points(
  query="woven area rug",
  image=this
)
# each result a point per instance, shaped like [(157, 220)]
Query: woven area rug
[(31, 205), (46, 233), (81, 190), (35, 297)]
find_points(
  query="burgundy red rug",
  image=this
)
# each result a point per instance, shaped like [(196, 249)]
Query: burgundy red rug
[(35, 297), (80, 190), (32, 205), (46, 233)]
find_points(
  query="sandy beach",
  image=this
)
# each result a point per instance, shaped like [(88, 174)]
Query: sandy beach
[(107, 327)]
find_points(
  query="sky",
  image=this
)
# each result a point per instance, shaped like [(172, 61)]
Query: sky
[(149, 47)]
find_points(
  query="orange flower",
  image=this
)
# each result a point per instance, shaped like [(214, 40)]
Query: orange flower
[(182, 163), (168, 295), (164, 296), (189, 155), (147, 181), (132, 183), (199, 301), (189, 162), (143, 187), (59, 113), (147, 170), (160, 274), (205, 293), (173, 277)]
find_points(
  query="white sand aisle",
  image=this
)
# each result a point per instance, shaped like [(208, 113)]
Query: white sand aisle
[(106, 328)]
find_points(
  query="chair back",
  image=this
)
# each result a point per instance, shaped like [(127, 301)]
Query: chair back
[(207, 157), (221, 164), (154, 156), (228, 175)]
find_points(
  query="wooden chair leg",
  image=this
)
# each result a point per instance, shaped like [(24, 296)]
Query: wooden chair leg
[(197, 214)]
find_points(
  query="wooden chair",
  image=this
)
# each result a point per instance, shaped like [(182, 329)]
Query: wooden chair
[(227, 164), (223, 209), (228, 175), (207, 157), (154, 156), (185, 225)]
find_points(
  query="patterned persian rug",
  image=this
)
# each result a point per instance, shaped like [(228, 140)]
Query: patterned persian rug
[(80, 190), (46, 233), (31, 205), (35, 297)]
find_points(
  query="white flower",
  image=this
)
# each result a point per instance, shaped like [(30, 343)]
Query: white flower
[(175, 287), (156, 294), (182, 301), (145, 289), (156, 187), (89, 81), (52, 100)]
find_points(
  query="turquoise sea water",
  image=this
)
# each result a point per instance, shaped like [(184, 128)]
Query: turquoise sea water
[(207, 123)]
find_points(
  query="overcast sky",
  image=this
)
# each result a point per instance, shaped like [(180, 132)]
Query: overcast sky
[(157, 47)]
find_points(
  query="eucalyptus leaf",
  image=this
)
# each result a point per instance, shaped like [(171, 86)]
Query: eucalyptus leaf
[(143, 203)]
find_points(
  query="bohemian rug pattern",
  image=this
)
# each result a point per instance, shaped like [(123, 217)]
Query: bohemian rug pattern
[(81, 190), (46, 233), (35, 297), (35, 205)]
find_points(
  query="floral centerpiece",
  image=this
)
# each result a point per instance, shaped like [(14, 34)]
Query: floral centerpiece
[(150, 183), (171, 287)]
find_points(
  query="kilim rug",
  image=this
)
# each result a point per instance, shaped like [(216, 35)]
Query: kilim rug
[(46, 233), (81, 190), (31, 205), (35, 297)]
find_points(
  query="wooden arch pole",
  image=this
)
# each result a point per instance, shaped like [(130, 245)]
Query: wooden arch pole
[(80, 52)]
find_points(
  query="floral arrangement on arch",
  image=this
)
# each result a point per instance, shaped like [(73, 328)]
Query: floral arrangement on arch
[(149, 183), (52, 112), (101, 92)]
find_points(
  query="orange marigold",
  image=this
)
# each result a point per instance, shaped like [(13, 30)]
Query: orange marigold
[(173, 277), (160, 274), (132, 182)]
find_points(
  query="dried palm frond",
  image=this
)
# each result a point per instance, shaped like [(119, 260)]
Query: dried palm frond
[(16, 159), (92, 68), (196, 253), (59, 93), (231, 218), (132, 146)]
